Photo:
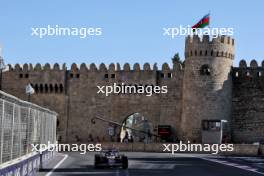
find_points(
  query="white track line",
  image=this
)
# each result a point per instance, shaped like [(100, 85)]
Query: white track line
[(57, 165), (227, 163), (117, 172)]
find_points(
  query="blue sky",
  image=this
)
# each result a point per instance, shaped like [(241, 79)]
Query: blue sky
[(132, 30)]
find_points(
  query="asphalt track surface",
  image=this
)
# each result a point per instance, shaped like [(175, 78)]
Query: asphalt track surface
[(157, 164)]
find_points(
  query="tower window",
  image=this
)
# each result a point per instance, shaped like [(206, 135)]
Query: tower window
[(20, 75), (247, 73), (41, 88), (46, 88), (222, 40), (112, 75), (61, 88), (78, 75), (36, 88), (169, 75), (51, 88), (56, 88), (205, 70), (162, 75), (106, 76), (26, 75)]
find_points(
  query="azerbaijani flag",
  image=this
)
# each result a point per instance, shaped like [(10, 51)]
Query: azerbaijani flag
[(203, 22)]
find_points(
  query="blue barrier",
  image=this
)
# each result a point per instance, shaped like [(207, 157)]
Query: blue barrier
[(27, 167)]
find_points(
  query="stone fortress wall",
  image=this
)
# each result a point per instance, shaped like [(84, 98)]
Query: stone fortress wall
[(232, 93), (248, 102), (73, 94), (207, 83)]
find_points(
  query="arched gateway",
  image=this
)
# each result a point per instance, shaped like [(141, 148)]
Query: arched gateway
[(136, 128)]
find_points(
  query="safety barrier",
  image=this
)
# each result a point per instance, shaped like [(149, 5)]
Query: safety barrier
[(22, 124)]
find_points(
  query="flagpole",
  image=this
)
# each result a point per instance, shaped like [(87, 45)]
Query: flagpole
[(209, 19), (209, 26)]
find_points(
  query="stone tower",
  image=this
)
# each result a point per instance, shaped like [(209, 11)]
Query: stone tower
[(207, 83)]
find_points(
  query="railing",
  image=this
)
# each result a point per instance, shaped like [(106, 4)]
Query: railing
[(22, 124)]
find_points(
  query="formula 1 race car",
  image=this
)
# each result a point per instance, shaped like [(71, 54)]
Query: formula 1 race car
[(110, 158)]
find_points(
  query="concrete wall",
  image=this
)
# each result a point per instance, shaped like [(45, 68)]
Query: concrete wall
[(27, 165)]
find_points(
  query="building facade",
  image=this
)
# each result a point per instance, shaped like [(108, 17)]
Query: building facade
[(204, 87)]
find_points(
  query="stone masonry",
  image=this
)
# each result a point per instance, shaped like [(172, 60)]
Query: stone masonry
[(206, 86)]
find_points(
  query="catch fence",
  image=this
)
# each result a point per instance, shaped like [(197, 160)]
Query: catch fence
[(22, 124)]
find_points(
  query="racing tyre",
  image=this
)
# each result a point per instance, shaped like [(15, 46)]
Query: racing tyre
[(124, 162), (96, 161)]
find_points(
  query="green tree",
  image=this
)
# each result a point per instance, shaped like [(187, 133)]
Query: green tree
[(176, 59)]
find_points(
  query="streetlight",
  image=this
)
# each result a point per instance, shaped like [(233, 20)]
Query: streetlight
[(29, 91), (2, 67)]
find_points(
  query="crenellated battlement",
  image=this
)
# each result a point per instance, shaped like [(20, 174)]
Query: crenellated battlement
[(206, 81), (221, 46), (38, 67), (92, 67), (251, 70), (205, 39), (206, 87)]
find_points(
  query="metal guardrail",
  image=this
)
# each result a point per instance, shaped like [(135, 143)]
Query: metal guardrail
[(22, 124)]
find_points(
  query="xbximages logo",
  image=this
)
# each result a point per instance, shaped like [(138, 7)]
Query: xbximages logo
[(59, 31), (122, 88)]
